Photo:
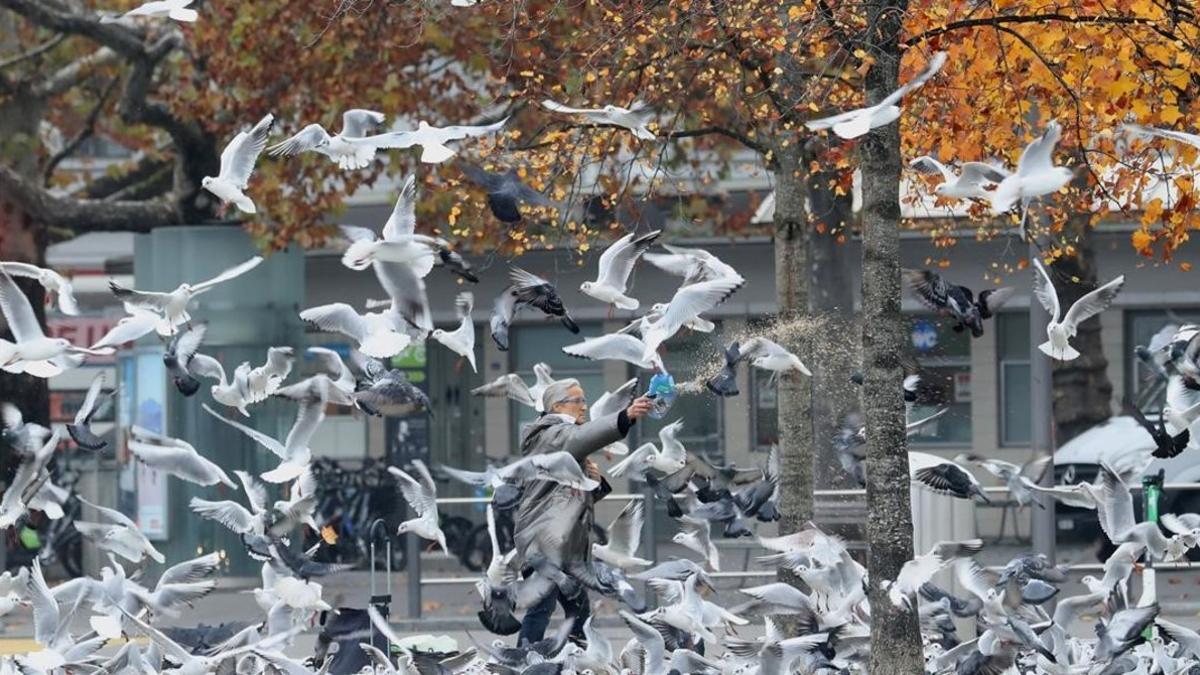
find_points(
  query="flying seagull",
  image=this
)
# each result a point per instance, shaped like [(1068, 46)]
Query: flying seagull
[(347, 148), (433, 139), (526, 289), (970, 181), (1036, 173), (616, 264), (172, 306), (422, 497), (32, 352), (858, 122), (461, 340), (175, 457), (158, 9), (55, 284), (237, 163), (1063, 327), (634, 118)]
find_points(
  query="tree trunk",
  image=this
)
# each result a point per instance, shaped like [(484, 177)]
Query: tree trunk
[(794, 400), (831, 302), (1082, 390), (795, 392), (895, 636)]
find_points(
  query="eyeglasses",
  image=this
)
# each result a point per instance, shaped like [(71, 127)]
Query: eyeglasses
[(573, 399)]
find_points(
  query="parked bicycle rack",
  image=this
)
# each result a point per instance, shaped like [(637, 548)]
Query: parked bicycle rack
[(415, 582)]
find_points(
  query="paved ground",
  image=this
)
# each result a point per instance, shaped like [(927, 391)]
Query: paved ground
[(450, 609)]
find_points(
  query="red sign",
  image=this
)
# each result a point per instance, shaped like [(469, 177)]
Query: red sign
[(83, 331)]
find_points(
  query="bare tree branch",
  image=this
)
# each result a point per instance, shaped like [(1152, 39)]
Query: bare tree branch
[(1037, 18), (75, 72), (89, 128), (84, 215), (51, 15), (33, 53), (108, 186)]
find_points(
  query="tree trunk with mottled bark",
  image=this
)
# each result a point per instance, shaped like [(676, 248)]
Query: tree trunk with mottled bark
[(1082, 390), (795, 392), (831, 302), (895, 635)]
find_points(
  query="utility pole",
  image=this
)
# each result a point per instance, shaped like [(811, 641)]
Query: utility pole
[(1041, 416)]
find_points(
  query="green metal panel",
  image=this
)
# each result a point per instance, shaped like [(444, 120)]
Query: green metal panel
[(245, 317)]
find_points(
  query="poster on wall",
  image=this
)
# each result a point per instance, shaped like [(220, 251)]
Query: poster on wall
[(150, 413)]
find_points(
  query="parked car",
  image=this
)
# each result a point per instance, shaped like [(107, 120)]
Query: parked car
[(1123, 444)]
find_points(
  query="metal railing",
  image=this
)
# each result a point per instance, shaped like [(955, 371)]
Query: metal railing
[(649, 539)]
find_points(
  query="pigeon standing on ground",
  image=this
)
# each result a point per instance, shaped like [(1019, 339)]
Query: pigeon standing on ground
[(1063, 327), (237, 163), (956, 302)]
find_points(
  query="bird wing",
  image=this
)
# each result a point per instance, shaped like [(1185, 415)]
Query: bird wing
[(129, 328), (453, 133), (1043, 288), (256, 492), (89, 401), (618, 260), (204, 365), (337, 317), (523, 280), (671, 263), (1039, 154), (17, 311), (190, 571), (186, 342), (259, 437), (935, 64), (647, 636), (929, 165), (45, 607), (977, 173), (112, 514), (403, 221), (1174, 523), (928, 287), (464, 304), (485, 179), (417, 497), (357, 122), (1116, 507), (477, 478), (625, 531), (310, 413), (308, 138), (327, 361), (554, 106), (692, 301), (228, 513), (1190, 139), (238, 158), (231, 273), (406, 288), (636, 459), (1094, 302), (613, 402), (613, 346)]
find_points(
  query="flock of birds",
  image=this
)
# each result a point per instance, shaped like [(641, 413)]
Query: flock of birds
[(687, 631)]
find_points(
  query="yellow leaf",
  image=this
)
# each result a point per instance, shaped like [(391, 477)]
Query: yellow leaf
[(329, 535), (1170, 114), (1141, 240), (795, 13)]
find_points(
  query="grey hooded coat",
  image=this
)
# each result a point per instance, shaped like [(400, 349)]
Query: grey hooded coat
[(553, 519)]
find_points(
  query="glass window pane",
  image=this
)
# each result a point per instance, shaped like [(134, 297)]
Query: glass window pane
[(1012, 331), (766, 422), (1014, 411), (944, 357), (687, 355)]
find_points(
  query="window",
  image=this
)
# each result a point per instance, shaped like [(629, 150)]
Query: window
[(686, 356), (1140, 327), (1012, 338), (543, 344), (944, 359), (765, 410)]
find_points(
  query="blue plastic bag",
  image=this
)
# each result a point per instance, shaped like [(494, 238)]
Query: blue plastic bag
[(662, 392)]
